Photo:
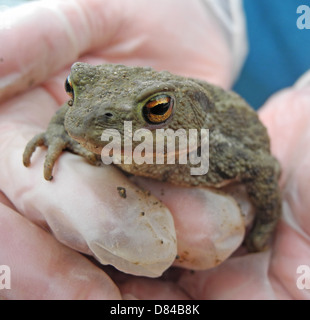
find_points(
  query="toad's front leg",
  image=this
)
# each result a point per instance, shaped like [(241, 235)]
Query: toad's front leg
[(56, 139)]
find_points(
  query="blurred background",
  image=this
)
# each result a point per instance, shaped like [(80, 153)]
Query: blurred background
[(11, 3), (279, 52)]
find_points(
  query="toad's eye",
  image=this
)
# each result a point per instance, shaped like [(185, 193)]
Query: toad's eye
[(69, 87), (158, 109)]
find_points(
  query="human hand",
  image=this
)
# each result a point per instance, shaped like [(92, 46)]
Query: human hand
[(266, 275), (135, 33)]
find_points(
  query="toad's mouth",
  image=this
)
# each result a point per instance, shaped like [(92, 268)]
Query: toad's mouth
[(138, 153), (134, 152), (145, 147), (148, 148)]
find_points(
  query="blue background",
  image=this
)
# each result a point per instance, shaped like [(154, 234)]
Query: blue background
[(279, 52)]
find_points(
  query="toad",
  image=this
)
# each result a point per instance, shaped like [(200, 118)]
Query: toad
[(105, 96)]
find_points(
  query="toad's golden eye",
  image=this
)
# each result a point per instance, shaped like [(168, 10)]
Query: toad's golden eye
[(158, 109), (69, 87)]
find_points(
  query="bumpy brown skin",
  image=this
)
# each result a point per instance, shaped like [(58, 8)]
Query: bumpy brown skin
[(107, 95)]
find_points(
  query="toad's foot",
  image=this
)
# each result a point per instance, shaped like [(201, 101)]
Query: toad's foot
[(56, 140), (55, 145)]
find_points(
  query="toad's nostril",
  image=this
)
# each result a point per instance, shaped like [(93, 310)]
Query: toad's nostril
[(109, 115), (102, 118)]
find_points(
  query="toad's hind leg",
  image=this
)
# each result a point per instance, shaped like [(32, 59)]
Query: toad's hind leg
[(265, 195)]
